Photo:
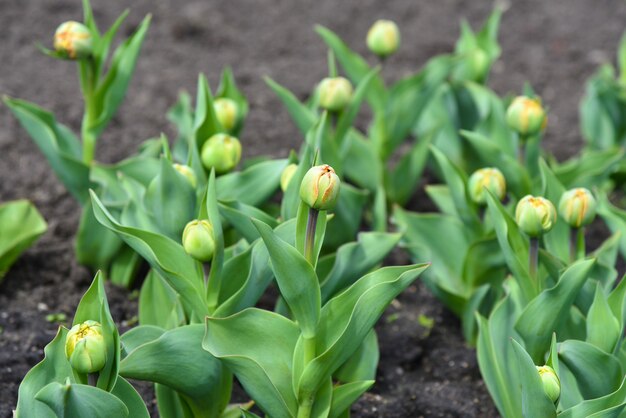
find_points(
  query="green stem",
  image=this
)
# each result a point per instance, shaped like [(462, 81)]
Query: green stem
[(88, 135), (306, 404), (309, 241), (573, 243), (533, 260), (213, 290), (92, 379)]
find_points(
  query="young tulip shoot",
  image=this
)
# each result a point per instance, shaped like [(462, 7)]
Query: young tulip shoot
[(320, 187), (526, 116), (188, 173), (85, 347), (221, 152), (198, 240), (383, 38), (484, 179), (73, 40), (335, 93), (227, 112), (287, 175), (551, 383)]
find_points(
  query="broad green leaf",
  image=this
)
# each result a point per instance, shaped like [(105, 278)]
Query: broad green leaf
[(159, 304), (257, 346), (124, 266), (615, 402), (228, 88), (557, 241), (205, 121), (365, 168), (137, 336), (345, 395), (404, 178), (362, 364), (239, 214), (348, 215), (254, 185), (603, 328), (125, 392), (302, 116), (75, 400), (95, 245), (20, 226)]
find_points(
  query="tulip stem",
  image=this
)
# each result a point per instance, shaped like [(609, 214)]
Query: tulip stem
[(88, 135), (92, 378), (533, 259), (306, 403), (309, 241), (576, 244)]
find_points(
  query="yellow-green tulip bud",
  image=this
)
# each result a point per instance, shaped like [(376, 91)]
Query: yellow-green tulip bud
[(535, 215), (526, 116), (221, 152), (551, 383), (188, 172), (227, 112), (73, 40), (85, 347), (486, 178), (335, 93), (577, 207), (287, 175), (320, 187), (198, 240), (383, 38), (478, 63)]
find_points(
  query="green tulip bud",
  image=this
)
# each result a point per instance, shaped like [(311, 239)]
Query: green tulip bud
[(526, 116), (198, 240), (227, 112), (287, 175), (335, 93), (188, 172), (383, 38), (221, 152), (535, 215), (551, 383), (320, 187), (486, 178), (85, 347), (577, 207), (478, 63), (73, 40)]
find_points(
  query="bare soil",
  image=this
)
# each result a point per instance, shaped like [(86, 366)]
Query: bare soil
[(555, 45)]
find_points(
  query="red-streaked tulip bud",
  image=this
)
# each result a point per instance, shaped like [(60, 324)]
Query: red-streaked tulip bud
[(227, 112), (85, 347), (198, 240), (320, 187), (287, 175), (486, 178), (526, 116), (335, 93), (383, 38), (73, 40), (577, 207), (221, 152), (188, 172), (535, 215), (551, 383)]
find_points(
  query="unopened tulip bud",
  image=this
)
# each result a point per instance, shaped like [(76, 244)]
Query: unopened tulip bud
[(478, 63), (535, 215), (320, 187), (335, 93), (85, 347), (577, 207), (73, 40), (551, 383), (486, 178), (188, 172), (526, 116), (227, 112), (383, 38), (221, 152), (198, 240), (287, 175)]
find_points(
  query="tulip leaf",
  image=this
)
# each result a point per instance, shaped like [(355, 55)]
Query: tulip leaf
[(547, 312), (403, 179), (239, 214), (125, 392), (348, 317), (20, 226), (365, 168), (257, 346), (95, 245), (75, 400), (597, 372), (348, 214), (302, 116), (603, 328), (363, 363), (557, 241), (345, 395), (124, 266), (612, 405), (228, 88), (252, 186), (159, 304), (296, 279), (205, 122), (137, 336)]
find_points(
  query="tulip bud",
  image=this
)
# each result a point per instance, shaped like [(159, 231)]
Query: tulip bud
[(227, 112), (221, 152), (526, 116), (287, 175), (320, 187), (535, 215), (383, 38), (478, 63), (188, 172), (486, 178), (551, 383), (73, 40), (335, 93), (198, 240), (85, 347), (577, 207)]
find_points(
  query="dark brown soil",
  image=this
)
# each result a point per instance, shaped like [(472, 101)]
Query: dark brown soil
[(555, 45)]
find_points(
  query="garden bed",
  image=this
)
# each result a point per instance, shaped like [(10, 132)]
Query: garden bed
[(431, 374)]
